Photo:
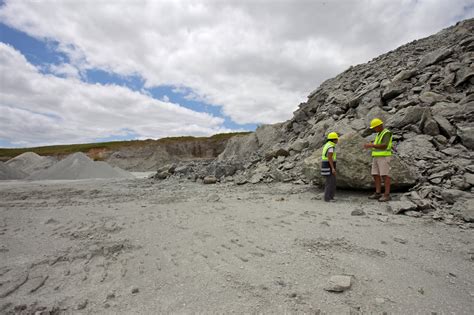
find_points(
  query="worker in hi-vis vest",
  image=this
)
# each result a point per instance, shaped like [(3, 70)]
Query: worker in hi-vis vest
[(328, 166), (381, 157)]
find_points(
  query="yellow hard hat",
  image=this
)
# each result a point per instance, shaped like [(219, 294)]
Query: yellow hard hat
[(375, 122), (333, 136)]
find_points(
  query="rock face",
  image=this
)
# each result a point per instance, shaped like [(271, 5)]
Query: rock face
[(423, 91), (353, 166)]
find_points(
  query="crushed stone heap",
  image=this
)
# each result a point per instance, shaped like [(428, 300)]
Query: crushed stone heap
[(30, 162), (79, 166), (7, 172)]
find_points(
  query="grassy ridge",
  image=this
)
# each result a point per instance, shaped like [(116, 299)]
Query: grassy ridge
[(114, 145)]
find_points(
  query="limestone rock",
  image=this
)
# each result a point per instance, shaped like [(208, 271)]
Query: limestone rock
[(353, 166), (299, 145), (210, 180), (338, 283), (464, 74), (431, 97), (404, 75), (392, 91), (434, 57), (453, 195), (397, 207), (409, 115), (417, 147), (430, 127), (466, 133), (445, 126), (276, 153), (465, 209), (161, 175)]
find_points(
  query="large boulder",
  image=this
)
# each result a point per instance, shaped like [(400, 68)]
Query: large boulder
[(353, 166)]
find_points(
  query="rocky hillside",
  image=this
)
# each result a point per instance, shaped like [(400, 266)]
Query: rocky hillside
[(423, 91)]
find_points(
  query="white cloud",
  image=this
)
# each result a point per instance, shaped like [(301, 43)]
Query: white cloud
[(65, 70), (44, 109), (256, 59)]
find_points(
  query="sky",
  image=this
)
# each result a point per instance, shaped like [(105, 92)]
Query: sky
[(104, 70)]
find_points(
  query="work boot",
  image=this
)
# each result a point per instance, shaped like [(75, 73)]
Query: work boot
[(375, 196), (385, 198)]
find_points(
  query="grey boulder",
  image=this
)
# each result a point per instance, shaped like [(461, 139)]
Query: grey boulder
[(353, 166)]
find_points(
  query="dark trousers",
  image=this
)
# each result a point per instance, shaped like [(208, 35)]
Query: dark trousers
[(330, 187)]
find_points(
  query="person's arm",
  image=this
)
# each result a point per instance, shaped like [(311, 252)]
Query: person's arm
[(381, 146), (331, 163)]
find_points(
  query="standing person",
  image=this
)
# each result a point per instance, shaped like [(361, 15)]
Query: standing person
[(381, 157), (328, 166)]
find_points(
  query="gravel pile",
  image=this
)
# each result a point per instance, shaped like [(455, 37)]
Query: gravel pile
[(79, 166), (7, 172), (30, 162)]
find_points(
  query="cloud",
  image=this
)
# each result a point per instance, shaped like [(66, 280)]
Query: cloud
[(255, 59), (65, 70), (37, 108)]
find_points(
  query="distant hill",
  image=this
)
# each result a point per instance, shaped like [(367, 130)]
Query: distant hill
[(141, 154)]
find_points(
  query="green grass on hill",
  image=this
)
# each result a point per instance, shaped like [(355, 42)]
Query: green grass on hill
[(114, 145)]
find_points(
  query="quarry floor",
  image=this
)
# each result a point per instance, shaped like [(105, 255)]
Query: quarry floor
[(137, 246)]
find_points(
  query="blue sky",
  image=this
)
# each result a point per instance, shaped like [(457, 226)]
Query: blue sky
[(86, 71), (43, 53)]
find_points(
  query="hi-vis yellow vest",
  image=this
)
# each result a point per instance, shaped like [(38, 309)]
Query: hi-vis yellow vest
[(378, 140), (324, 155), (325, 167)]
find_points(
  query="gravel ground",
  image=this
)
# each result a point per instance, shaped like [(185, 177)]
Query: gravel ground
[(139, 246)]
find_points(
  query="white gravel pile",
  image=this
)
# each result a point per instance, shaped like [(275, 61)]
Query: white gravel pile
[(79, 166), (30, 162), (7, 172)]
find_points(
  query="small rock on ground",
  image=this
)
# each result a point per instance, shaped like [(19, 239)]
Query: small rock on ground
[(357, 212), (338, 283)]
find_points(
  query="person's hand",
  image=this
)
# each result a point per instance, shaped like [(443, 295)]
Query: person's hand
[(334, 172), (368, 145)]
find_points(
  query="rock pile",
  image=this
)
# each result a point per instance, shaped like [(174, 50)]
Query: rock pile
[(30, 162), (7, 172), (79, 166), (423, 91)]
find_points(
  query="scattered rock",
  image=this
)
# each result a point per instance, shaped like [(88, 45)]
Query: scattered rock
[(134, 290), (357, 212), (338, 283), (397, 207), (51, 221), (453, 195), (213, 198), (434, 57), (400, 240), (209, 180)]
